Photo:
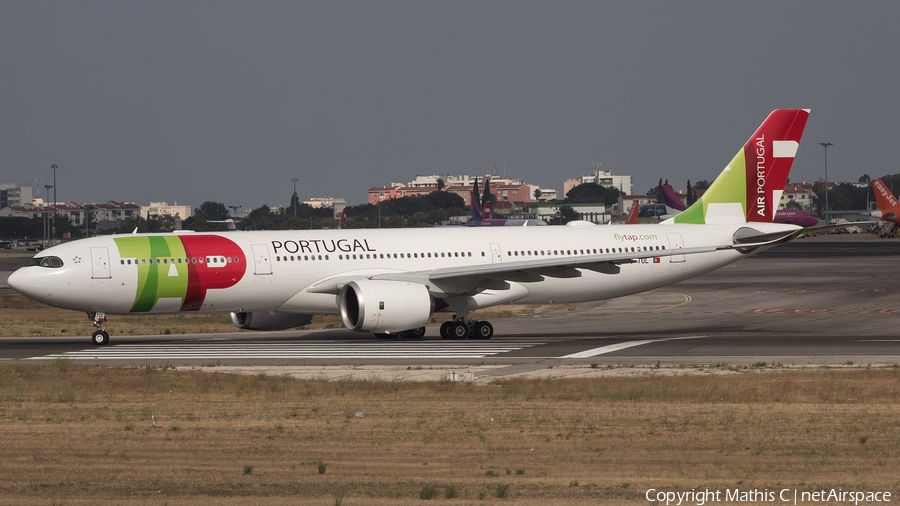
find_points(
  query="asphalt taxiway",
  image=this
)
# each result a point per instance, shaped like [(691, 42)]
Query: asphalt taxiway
[(819, 301)]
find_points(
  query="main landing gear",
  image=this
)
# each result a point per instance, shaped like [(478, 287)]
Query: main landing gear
[(100, 336), (462, 329), (417, 333)]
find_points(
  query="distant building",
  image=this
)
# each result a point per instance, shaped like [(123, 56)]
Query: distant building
[(458, 180), (320, 202), (504, 189), (13, 195), (162, 209), (623, 206), (801, 193), (546, 195), (603, 178), (382, 193), (106, 216), (594, 213)]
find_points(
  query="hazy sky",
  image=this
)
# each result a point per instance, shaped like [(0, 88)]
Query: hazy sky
[(214, 100)]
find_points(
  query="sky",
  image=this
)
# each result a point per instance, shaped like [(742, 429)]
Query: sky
[(189, 101)]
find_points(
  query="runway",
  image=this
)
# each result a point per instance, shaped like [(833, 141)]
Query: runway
[(820, 301)]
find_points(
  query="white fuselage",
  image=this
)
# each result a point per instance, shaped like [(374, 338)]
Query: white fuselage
[(282, 268)]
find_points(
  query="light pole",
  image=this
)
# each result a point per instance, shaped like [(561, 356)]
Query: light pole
[(54, 201), (294, 198), (47, 215), (234, 210), (825, 145)]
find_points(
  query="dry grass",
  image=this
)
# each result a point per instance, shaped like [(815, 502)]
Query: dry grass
[(85, 435), (27, 318)]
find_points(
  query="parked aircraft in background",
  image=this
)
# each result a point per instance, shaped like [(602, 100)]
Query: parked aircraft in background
[(632, 218), (390, 281), (674, 205), (888, 207)]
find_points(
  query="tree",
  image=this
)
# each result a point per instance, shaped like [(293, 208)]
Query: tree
[(592, 193), (659, 194), (701, 185), (295, 203), (210, 210), (691, 196), (441, 184), (487, 196), (445, 200), (537, 194), (567, 214)]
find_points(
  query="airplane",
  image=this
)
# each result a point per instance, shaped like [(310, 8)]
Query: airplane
[(390, 281), (888, 207), (632, 218), (674, 205)]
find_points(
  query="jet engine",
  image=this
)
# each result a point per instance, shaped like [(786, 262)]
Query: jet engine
[(269, 320), (385, 306)]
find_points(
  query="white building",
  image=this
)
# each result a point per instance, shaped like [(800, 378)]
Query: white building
[(459, 180), (603, 178), (162, 209), (12, 195), (320, 202)]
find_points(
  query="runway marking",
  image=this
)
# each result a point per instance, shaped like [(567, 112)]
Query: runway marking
[(833, 290), (621, 346), (298, 350), (782, 310)]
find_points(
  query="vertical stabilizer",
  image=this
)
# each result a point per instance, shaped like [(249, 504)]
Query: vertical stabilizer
[(887, 202), (632, 218), (750, 187)]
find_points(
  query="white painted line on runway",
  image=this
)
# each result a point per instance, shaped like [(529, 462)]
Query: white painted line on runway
[(300, 350), (621, 346)]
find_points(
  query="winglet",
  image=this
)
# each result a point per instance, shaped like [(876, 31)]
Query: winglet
[(750, 187)]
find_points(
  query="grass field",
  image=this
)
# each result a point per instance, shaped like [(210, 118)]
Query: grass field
[(87, 435)]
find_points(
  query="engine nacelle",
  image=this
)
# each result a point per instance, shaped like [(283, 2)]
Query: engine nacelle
[(385, 306), (269, 320)]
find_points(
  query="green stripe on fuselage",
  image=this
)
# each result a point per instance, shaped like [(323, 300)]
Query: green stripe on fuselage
[(165, 277)]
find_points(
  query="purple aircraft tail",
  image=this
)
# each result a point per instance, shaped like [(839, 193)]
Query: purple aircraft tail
[(671, 199), (476, 210)]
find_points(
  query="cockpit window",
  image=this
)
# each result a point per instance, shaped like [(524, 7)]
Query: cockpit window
[(46, 261)]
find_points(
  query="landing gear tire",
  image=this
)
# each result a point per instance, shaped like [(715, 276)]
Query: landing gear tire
[(445, 330), (482, 330), (100, 338), (386, 335), (458, 330), (417, 333)]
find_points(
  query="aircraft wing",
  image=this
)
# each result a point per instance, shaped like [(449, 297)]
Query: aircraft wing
[(463, 279)]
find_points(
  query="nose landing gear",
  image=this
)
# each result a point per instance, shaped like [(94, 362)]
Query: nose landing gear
[(100, 336)]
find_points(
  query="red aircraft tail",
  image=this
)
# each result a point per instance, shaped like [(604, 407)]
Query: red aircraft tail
[(887, 202)]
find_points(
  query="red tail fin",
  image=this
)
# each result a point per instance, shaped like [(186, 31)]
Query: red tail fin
[(486, 212), (887, 202), (633, 213)]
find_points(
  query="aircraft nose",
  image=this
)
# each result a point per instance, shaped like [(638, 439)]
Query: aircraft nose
[(16, 281)]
